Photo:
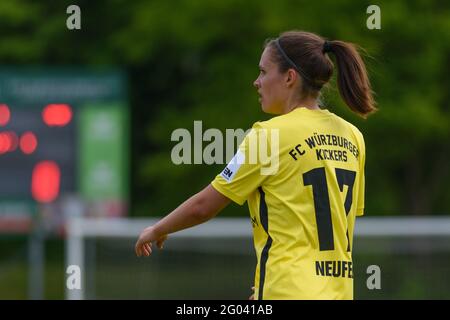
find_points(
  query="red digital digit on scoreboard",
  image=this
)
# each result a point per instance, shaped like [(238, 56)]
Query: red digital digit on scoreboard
[(35, 144)]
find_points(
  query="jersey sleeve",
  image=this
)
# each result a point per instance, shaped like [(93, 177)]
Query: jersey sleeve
[(246, 170), (362, 179)]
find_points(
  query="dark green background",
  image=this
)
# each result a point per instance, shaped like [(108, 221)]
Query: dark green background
[(196, 60)]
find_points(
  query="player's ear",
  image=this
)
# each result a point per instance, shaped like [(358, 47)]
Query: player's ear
[(291, 77)]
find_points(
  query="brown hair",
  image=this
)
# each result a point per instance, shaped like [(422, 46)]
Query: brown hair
[(309, 53)]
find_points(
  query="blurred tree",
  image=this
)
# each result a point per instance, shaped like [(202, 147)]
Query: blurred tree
[(196, 60)]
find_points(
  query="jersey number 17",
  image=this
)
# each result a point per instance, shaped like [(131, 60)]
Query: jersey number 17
[(318, 180)]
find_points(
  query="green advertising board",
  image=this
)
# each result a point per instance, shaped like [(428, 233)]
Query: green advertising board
[(103, 157)]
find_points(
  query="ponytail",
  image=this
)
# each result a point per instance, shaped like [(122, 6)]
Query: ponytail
[(309, 55), (353, 82)]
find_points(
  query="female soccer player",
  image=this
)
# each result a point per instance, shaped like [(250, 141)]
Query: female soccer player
[(303, 206)]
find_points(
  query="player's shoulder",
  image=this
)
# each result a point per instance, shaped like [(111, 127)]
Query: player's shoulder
[(276, 122), (352, 127)]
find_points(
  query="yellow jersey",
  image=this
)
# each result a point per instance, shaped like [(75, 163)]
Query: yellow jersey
[(302, 175)]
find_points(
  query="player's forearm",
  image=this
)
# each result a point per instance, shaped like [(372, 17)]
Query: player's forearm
[(188, 214)]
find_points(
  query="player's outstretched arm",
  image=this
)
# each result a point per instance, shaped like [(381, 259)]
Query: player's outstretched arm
[(197, 209)]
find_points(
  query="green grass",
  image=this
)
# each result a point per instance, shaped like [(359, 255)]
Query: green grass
[(14, 268)]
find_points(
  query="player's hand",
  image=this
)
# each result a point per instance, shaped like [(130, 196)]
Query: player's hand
[(252, 297), (145, 241)]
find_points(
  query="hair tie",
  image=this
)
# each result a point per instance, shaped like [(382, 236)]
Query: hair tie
[(326, 47)]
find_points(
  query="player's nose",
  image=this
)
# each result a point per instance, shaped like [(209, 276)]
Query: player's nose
[(256, 84)]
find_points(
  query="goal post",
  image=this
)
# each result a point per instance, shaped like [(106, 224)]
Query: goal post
[(78, 229)]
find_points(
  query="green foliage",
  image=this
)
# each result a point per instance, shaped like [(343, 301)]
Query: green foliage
[(196, 60)]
